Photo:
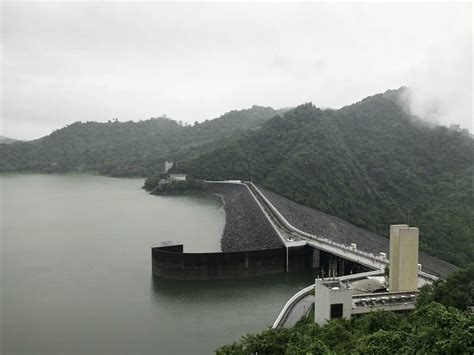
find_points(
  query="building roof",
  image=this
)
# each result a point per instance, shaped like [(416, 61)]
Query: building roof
[(367, 285)]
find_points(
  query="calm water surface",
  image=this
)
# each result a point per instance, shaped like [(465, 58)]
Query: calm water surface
[(76, 271)]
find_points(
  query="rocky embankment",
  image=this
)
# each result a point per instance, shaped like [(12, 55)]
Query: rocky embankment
[(339, 231), (246, 226)]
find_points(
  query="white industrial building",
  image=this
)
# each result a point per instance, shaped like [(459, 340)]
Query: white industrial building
[(335, 298)]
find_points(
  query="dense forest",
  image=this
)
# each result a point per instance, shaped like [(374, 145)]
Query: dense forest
[(174, 187), (7, 140), (369, 163), (439, 325), (126, 148)]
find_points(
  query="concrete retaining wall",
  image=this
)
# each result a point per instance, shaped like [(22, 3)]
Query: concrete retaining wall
[(169, 261), (174, 264)]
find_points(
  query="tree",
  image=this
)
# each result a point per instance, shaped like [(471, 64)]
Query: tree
[(305, 344), (456, 291)]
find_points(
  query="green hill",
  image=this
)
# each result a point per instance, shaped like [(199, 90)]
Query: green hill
[(7, 140), (126, 148), (369, 163)]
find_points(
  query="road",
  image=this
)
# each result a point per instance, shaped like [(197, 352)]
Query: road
[(298, 311)]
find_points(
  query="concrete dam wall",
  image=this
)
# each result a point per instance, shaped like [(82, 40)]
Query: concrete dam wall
[(250, 246), (169, 261)]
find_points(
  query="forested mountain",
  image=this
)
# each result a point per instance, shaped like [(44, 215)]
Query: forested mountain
[(369, 163), (126, 148), (6, 140)]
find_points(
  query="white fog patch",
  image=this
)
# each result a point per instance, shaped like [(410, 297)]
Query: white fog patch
[(95, 61), (441, 85)]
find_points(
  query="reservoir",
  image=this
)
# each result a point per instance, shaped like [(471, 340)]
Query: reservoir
[(76, 271)]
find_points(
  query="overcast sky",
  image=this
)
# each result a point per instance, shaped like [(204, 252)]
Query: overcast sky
[(66, 62)]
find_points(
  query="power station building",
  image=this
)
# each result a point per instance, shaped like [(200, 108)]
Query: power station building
[(335, 298)]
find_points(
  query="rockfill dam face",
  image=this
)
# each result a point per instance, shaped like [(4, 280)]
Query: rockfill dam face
[(255, 243), (250, 247)]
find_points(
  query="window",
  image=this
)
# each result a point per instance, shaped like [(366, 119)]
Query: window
[(336, 310)]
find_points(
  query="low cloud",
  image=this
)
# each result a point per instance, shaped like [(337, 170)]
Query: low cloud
[(96, 61), (441, 85)]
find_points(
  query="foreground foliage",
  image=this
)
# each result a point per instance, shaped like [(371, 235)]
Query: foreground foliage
[(433, 328), (456, 291)]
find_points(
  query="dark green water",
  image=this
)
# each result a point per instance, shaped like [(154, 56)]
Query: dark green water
[(76, 271)]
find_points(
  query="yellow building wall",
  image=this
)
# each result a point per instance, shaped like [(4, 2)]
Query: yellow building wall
[(404, 242)]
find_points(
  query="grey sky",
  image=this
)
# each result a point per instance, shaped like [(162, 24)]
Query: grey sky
[(65, 62)]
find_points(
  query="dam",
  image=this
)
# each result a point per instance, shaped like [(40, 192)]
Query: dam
[(266, 234)]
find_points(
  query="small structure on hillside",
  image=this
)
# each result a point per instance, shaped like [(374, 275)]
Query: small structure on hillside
[(177, 177), (168, 165)]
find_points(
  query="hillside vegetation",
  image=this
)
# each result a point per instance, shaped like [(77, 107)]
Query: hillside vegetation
[(369, 163), (126, 148), (6, 140), (189, 186), (437, 326)]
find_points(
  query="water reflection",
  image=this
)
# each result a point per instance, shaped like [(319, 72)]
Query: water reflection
[(198, 291), (77, 276)]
